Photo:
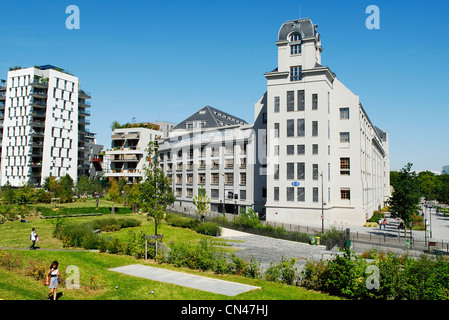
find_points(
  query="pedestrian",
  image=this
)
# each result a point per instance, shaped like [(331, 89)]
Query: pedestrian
[(96, 202), (33, 238), (53, 273), (384, 222), (380, 223)]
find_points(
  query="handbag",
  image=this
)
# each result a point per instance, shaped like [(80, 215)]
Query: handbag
[(47, 281)]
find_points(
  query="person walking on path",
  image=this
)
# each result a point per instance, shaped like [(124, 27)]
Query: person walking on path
[(33, 238), (384, 222), (53, 273)]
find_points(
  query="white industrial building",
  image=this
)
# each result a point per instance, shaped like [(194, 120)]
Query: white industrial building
[(45, 126), (324, 154)]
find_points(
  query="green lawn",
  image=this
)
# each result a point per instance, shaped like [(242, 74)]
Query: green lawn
[(14, 284)]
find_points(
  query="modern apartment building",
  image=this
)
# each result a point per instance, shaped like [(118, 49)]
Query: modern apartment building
[(325, 158), (45, 125), (217, 151), (127, 156)]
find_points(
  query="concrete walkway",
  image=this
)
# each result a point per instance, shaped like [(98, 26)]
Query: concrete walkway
[(223, 287)]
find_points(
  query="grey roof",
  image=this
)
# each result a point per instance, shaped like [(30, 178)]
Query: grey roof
[(304, 26), (212, 118), (382, 134)]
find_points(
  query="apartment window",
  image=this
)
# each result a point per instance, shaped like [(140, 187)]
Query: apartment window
[(344, 137), (300, 102), (315, 194), (301, 174), (290, 171), (314, 149), (314, 101), (243, 178), (276, 194), (242, 194), (301, 149), (276, 150), (215, 178), (290, 128), (243, 163), (301, 127), (189, 192), (229, 178), (295, 73), (229, 163), (189, 178), (290, 101), (301, 194), (295, 49), (344, 113), (290, 149), (214, 193), (314, 128), (315, 171), (178, 192), (345, 194), (345, 166), (264, 118), (277, 104), (295, 37), (276, 171), (290, 194), (276, 130)]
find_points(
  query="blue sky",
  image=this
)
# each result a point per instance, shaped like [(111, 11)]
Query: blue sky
[(163, 60)]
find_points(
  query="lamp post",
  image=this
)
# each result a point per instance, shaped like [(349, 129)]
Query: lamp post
[(322, 203), (224, 194)]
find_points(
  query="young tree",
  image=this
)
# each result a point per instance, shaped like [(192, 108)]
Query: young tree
[(201, 202), (83, 185), (155, 190), (113, 192), (406, 195), (66, 188)]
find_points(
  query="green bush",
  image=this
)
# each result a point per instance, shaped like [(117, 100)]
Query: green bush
[(377, 215), (248, 219), (208, 228), (284, 272)]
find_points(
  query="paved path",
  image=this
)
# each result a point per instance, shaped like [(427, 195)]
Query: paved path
[(223, 287), (267, 250)]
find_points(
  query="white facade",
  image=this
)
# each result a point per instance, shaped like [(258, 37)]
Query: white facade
[(324, 154), (128, 156), (216, 151), (42, 122)]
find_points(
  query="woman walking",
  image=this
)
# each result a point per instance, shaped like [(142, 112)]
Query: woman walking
[(33, 238), (53, 273)]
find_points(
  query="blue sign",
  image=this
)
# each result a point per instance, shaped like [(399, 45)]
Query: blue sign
[(295, 183)]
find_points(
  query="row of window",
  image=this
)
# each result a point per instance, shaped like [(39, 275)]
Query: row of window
[(214, 178), (300, 101), (345, 194), (214, 194)]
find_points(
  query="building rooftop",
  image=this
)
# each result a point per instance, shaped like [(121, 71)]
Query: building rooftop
[(304, 26), (210, 117)]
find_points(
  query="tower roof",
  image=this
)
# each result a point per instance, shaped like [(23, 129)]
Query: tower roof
[(304, 26)]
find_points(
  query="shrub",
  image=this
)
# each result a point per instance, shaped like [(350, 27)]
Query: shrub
[(377, 215), (248, 219), (208, 228), (9, 259), (37, 269), (284, 272)]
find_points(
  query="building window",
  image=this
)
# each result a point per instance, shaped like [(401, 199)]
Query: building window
[(295, 37), (243, 178), (290, 128), (314, 101), (264, 118), (290, 149), (300, 102), (344, 113), (242, 194), (201, 178), (314, 128), (344, 137), (290, 194), (276, 150), (315, 194), (295, 49), (315, 171), (345, 194), (301, 194), (314, 149), (301, 127), (301, 149), (276, 130), (276, 171), (215, 178), (276, 104), (229, 178), (290, 170), (276, 194), (290, 101), (345, 166), (301, 174), (295, 73), (214, 193)]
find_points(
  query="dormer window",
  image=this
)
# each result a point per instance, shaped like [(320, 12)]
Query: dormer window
[(295, 37), (295, 43)]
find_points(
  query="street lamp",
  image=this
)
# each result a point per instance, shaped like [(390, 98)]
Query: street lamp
[(322, 203), (224, 194)]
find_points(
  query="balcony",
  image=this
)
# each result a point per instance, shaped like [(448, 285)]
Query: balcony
[(84, 104), (38, 93), (37, 123), (2, 95), (84, 94), (38, 103), (83, 121), (84, 112), (36, 133), (39, 82), (37, 113)]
